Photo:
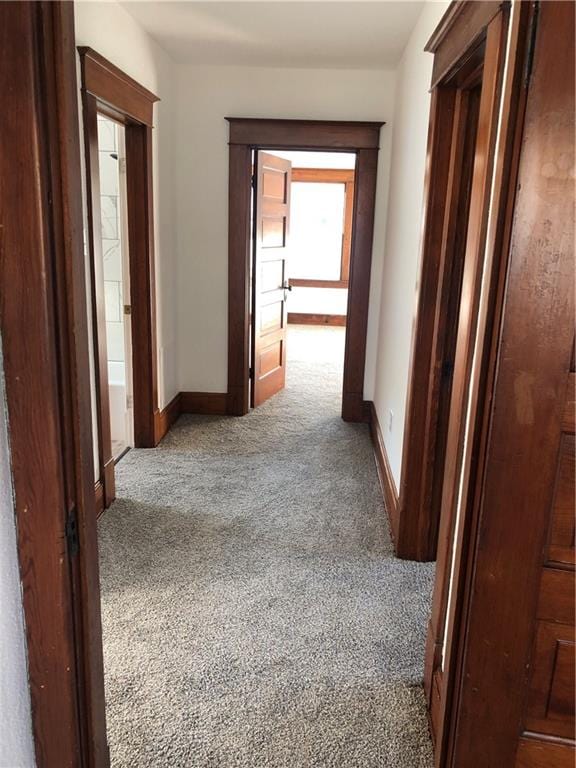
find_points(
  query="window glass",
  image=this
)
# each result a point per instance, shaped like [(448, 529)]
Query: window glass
[(316, 230)]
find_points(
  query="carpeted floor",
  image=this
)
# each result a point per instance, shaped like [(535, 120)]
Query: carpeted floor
[(254, 614)]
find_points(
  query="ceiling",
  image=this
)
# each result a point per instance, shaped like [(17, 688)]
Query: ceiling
[(321, 34)]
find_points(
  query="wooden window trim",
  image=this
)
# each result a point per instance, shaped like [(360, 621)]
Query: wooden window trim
[(331, 176), (246, 135), (109, 91)]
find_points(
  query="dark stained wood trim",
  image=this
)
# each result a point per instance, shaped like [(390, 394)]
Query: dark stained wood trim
[(209, 403), (359, 285), (387, 484), (323, 175), (419, 441), (298, 282), (165, 418), (307, 318), (246, 135), (97, 304), (43, 320), (140, 214), (475, 315), (239, 265), (460, 29), (115, 88), (538, 752), (532, 342), (105, 87), (304, 134)]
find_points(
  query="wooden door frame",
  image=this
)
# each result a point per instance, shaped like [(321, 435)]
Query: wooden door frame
[(109, 91), (456, 43), (532, 339), (43, 320), (247, 135)]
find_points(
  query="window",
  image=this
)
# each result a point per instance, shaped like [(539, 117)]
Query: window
[(320, 227)]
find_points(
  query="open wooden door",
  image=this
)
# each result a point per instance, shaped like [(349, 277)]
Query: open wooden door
[(272, 179)]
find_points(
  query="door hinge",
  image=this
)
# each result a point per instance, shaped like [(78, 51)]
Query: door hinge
[(72, 540), (253, 181), (250, 372), (531, 43)]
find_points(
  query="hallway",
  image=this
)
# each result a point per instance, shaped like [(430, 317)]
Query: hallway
[(253, 611)]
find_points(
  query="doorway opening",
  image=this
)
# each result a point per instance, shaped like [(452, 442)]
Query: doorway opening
[(116, 276), (117, 120), (248, 138), (302, 214)]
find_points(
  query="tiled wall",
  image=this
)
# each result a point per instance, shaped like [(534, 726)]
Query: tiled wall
[(108, 145)]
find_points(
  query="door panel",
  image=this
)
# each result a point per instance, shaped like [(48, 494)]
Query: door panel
[(271, 232)]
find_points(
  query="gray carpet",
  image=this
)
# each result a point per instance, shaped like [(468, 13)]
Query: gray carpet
[(254, 614)]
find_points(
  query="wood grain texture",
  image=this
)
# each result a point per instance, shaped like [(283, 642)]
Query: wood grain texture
[(115, 88), (359, 285), (166, 417), (307, 318), (304, 134), (542, 753), (209, 403), (385, 476), (460, 29), (420, 437), (43, 320), (298, 282), (105, 88), (535, 346)]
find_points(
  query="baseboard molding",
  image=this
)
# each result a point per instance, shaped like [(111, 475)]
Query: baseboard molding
[(306, 318), (207, 403), (385, 476), (164, 419)]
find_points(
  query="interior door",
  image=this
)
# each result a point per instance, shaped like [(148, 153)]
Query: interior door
[(272, 178)]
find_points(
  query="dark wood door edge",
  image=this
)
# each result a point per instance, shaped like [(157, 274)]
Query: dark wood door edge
[(307, 318), (387, 484)]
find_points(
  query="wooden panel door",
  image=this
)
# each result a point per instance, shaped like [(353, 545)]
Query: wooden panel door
[(549, 714), (270, 280)]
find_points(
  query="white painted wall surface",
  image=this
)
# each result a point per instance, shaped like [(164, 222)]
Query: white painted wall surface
[(16, 745), (206, 95), (110, 30), (402, 251)]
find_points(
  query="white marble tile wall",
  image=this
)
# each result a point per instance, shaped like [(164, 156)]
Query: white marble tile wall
[(111, 244)]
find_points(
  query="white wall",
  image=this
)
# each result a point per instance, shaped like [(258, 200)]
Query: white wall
[(402, 251), (111, 31), (16, 745), (205, 96)]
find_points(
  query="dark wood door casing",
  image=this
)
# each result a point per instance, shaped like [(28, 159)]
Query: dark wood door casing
[(458, 45), (108, 90), (247, 134), (43, 320)]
